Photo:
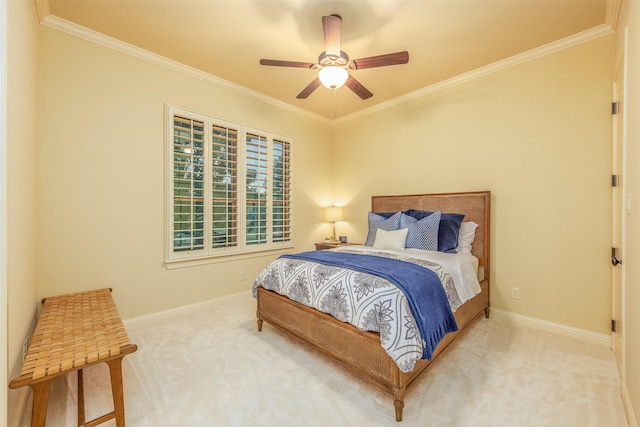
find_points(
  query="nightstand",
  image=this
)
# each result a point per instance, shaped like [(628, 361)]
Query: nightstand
[(320, 246)]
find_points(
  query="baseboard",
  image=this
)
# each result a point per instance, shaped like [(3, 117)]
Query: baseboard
[(150, 319), (631, 416), (17, 399), (17, 404), (496, 314), (506, 316)]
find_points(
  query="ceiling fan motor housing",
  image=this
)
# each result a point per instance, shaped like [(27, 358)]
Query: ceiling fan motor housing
[(325, 60)]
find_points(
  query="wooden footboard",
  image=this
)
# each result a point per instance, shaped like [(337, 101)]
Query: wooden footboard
[(358, 351)]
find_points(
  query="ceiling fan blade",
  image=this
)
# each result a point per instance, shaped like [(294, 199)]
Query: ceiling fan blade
[(357, 88), (309, 89), (332, 25), (380, 60), (278, 63)]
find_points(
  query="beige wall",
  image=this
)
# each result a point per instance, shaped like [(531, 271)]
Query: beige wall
[(22, 134), (101, 175), (538, 136), (630, 17)]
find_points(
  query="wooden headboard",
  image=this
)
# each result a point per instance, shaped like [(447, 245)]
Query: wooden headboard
[(476, 206)]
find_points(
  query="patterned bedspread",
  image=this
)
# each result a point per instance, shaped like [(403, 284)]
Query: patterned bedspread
[(366, 301)]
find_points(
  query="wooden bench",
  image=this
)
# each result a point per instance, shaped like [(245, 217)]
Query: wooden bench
[(73, 332)]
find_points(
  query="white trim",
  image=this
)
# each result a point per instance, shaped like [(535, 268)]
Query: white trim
[(43, 9), (194, 262), (496, 314), (4, 303), (613, 13), (625, 339), (92, 36), (23, 400), (129, 49), (530, 55), (631, 416), (557, 328), (152, 318)]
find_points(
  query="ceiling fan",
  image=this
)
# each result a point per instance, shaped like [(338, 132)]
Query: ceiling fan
[(334, 63)]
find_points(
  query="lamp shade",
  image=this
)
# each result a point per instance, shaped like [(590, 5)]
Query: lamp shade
[(333, 214), (333, 77)]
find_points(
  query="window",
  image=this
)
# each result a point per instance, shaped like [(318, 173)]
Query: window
[(229, 188)]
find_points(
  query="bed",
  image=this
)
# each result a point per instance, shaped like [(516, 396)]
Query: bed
[(361, 351)]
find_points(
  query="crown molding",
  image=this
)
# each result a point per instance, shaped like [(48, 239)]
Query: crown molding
[(530, 55), (42, 7), (612, 13), (92, 36)]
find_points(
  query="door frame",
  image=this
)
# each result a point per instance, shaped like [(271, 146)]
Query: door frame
[(3, 217), (619, 209)]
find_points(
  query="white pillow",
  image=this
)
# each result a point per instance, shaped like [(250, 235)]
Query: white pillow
[(393, 240), (466, 236), (378, 221)]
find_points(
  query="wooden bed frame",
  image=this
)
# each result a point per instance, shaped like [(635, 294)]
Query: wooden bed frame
[(360, 351)]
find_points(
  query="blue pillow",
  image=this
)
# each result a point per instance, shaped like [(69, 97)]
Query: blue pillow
[(448, 231), (423, 233), (386, 214), (378, 221)]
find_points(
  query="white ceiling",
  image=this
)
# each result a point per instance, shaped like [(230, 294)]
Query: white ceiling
[(227, 38)]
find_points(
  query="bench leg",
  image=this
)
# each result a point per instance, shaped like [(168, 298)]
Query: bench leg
[(115, 370), (81, 420), (40, 403)]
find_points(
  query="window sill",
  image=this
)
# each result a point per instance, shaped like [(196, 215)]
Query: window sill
[(194, 262)]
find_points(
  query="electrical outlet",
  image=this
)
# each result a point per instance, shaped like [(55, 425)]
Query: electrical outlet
[(515, 293), (25, 347), (242, 275)]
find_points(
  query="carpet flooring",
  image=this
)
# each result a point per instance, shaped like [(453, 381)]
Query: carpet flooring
[(211, 367)]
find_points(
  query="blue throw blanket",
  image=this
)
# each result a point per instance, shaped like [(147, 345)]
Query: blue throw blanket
[(425, 295)]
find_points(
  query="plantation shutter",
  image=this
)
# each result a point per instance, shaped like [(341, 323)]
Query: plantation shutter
[(224, 182), (256, 189), (281, 203), (228, 189), (188, 184)]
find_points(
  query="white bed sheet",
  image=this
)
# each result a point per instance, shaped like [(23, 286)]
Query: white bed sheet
[(463, 267)]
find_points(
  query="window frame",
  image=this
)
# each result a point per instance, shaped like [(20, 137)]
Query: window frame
[(242, 248)]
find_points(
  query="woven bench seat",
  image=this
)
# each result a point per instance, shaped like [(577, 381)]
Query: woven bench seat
[(73, 332)]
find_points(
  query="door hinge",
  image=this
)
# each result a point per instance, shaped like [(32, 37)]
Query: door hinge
[(614, 326), (614, 180), (614, 257), (614, 107)]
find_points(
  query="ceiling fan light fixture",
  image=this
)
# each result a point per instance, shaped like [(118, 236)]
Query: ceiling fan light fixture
[(333, 77)]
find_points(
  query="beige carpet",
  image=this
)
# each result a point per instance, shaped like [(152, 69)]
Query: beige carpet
[(212, 368)]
